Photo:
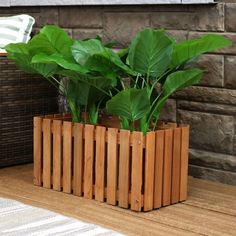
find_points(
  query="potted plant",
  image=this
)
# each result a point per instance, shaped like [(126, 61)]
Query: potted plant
[(143, 163)]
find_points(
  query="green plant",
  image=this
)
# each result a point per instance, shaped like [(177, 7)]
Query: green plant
[(133, 84)]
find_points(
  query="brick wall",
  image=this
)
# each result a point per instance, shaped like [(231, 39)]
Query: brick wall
[(209, 108)]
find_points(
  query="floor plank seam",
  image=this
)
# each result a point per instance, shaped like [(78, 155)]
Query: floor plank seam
[(205, 208)]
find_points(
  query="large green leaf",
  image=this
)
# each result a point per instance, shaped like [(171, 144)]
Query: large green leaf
[(93, 55), (50, 40), (188, 50), (150, 52), (131, 104), (82, 50), (19, 52), (175, 81), (58, 59), (108, 63)]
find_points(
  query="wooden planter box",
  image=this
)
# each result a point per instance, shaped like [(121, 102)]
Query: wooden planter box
[(127, 169)]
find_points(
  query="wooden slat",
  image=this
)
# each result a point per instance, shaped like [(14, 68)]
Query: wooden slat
[(112, 168), (88, 161), (175, 186), (47, 147), (124, 169), (100, 164), (3, 54), (78, 159), (158, 182), (49, 116), (37, 151), (184, 163), (136, 175), (57, 155), (149, 171), (167, 167), (67, 158)]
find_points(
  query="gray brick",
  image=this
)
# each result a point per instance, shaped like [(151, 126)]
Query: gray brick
[(209, 132), (213, 66), (202, 18), (86, 33), (80, 17), (204, 94), (122, 27), (230, 72)]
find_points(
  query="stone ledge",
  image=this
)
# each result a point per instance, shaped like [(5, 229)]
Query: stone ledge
[(9, 3), (225, 177)]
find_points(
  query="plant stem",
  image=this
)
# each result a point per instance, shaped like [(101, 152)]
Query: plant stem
[(122, 84), (157, 80)]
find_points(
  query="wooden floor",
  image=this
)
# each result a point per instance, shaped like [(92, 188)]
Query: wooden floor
[(209, 210)]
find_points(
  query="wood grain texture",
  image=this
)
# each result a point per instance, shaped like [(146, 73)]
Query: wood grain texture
[(112, 165), (38, 151), (149, 171), (78, 159), (159, 160), (124, 168), (175, 186), (184, 163), (137, 171), (209, 210), (47, 148), (100, 164), (88, 160), (67, 156), (57, 154), (167, 170)]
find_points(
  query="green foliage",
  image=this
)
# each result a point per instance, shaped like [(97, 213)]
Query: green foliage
[(131, 104), (92, 76), (150, 53)]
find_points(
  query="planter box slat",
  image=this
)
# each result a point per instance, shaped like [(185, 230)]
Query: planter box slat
[(167, 168), (159, 160), (176, 166), (132, 170), (124, 169), (100, 164), (78, 159), (112, 161), (47, 149), (184, 163), (137, 171), (67, 158), (88, 161), (149, 171), (38, 151), (57, 157)]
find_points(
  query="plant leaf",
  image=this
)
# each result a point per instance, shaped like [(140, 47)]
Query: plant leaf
[(60, 61), (82, 50), (19, 52), (175, 81), (51, 40), (131, 104), (188, 50), (150, 52)]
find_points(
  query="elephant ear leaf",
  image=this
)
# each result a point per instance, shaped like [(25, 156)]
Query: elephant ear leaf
[(175, 81), (131, 104), (82, 50), (59, 60), (51, 40), (190, 49), (19, 53), (150, 52)]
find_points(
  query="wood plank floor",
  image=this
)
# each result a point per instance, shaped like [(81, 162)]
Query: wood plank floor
[(209, 210)]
